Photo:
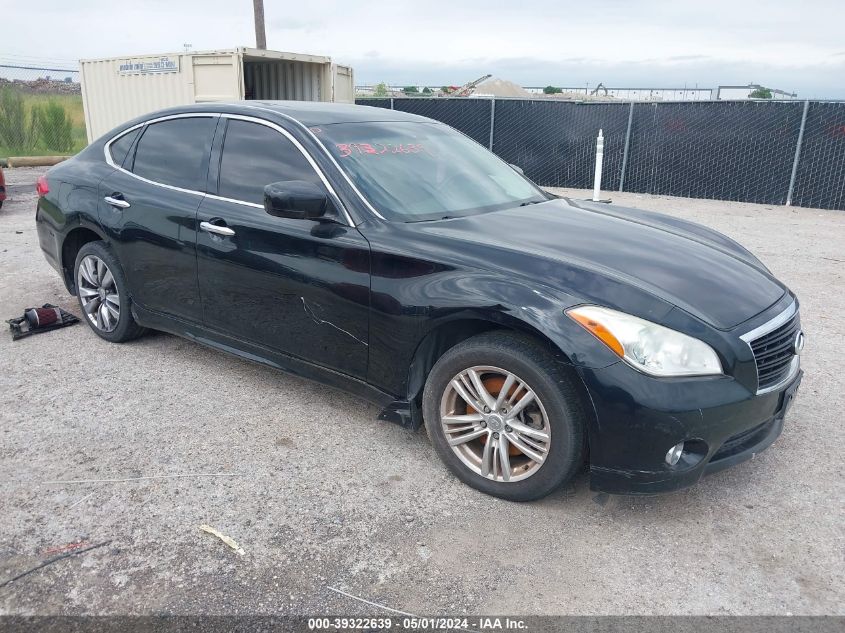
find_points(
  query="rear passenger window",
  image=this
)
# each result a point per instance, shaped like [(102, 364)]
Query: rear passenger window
[(120, 148), (254, 156), (175, 152)]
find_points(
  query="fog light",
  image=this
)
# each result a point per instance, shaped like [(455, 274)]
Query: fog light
[(674, 454)]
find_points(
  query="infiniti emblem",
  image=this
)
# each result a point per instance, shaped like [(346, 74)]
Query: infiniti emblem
[(495, 422), (798, 345)]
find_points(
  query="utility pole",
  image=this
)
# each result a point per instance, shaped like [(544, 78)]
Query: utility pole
[(260, 34)]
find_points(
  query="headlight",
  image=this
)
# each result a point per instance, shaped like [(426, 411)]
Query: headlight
[(646, 346)]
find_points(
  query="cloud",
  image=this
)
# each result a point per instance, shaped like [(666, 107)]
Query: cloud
[(687, 58), (294, 24)]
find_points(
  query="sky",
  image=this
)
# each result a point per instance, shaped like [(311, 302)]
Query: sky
[(785, 44)]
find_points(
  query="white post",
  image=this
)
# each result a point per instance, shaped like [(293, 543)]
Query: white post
[(599, 160)]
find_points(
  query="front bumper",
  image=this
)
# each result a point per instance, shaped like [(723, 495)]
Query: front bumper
[(639, 418)]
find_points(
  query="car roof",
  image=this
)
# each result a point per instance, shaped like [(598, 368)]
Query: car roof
[(308, 113), (319, 112)]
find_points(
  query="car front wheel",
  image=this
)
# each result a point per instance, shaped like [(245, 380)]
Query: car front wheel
[(505, 416), (102, 293)]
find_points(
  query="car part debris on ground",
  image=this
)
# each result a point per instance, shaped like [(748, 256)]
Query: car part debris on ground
[(37, 320), (226, 539)]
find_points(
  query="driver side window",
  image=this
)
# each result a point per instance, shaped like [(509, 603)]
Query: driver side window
[(254, 156)]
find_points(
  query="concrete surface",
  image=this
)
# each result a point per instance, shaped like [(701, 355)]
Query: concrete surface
[(326, 497)]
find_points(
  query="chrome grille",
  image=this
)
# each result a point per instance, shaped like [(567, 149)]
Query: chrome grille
[(774, 351)]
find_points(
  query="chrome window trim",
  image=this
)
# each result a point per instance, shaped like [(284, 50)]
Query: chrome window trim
[(762, 330), (328, 154), (270, 124), (184, 115), (241, 202), (302, 150)]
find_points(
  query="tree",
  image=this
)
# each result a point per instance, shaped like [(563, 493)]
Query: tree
[(411, 90), (761, 93), (426, 90), (380, 90), (552, 90)]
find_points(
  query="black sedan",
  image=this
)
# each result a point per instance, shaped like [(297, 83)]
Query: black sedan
[(391, 256)]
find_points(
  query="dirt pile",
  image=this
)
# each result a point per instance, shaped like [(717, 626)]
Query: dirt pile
[(500, 88)]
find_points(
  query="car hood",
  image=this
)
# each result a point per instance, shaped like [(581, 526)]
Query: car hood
[(692, 267)]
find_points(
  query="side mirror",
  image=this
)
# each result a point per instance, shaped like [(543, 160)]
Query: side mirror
[(517, 169), (297, 199)]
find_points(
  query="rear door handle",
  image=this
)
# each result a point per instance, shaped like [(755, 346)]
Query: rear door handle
[(117, 202), (217, 230)]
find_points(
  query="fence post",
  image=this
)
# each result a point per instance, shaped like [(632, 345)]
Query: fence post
[(492, 121), (797, 154), (599, 162), (625, 151), (391, 103)]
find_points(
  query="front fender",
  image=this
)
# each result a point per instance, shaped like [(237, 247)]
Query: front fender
[(537, 311), (535, 314), (509, 306)]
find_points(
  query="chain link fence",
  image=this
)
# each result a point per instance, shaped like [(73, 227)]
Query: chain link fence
[(820, 170), (40, 111), (732, 150), (555, 145), (784, 152)]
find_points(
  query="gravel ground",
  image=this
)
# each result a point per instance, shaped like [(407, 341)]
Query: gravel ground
[(326, 498)]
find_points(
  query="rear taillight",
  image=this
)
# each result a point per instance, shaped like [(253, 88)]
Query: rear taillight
[(42, 187)]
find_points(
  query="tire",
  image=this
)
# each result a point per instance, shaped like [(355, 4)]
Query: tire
[(109, 313), (556, 411)]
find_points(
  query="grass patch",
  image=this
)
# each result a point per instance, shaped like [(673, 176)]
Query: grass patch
[(72, 105)]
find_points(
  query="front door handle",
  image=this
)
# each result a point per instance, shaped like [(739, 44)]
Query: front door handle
[(217, 230), (120, 203)]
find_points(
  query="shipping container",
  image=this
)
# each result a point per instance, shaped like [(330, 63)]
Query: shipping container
[(120, 88)]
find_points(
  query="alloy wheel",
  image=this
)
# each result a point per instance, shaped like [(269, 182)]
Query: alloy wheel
[(495, 423), (98, 293)]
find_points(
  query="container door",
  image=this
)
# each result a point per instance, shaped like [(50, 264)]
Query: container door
[(217, 78), (343, 84)]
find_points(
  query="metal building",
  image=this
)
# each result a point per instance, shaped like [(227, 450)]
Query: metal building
[(117, 89)]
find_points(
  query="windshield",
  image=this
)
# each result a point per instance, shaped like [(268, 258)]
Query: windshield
[(424, 171)]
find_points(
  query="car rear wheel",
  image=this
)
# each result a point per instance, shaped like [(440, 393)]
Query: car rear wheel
[(102, 293), (505, 416)]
